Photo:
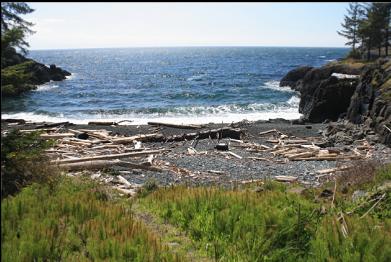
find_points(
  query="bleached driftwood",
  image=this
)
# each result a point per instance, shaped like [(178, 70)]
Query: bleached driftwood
[(286, 178), (140, 137), (333, 170), (298, 141), (112, 156), (56, 136), (100, 164)]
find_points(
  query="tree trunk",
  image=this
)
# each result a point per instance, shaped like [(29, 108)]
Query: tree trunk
[(387, 38)]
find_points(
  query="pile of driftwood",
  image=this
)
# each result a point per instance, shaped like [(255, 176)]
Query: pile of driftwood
[(89, 149), (96, 149)]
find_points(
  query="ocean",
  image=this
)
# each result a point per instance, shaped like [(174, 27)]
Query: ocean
[(178, 84)]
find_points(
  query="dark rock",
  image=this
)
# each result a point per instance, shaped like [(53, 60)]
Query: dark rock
[(326, 193), (363, 100), (82, 136), (291, 78), (222, 147), (326, 98)]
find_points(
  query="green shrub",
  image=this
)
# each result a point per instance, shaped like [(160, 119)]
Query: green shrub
[(15, 79), (23, 162)]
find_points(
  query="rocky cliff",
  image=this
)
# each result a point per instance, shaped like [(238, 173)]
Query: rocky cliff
[(357, 92), (20, 74)]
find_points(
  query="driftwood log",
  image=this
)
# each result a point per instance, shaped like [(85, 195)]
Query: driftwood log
[(112, 156), (103, 123), (53, 125), (57, 136), (219, 133), (100, 164), (175, 125)]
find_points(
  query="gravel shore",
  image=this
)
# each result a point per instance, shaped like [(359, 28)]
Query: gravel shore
[(213, 167)]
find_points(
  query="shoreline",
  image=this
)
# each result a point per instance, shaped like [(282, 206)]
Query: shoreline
[(209, 166)]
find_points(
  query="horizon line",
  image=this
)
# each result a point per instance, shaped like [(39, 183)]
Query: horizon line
[(183, 46)]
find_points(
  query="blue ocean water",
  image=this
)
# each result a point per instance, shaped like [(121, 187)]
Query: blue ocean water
[(186, 84)]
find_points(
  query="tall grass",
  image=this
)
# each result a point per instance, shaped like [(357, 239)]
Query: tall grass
[(78, 221), (274, 225)]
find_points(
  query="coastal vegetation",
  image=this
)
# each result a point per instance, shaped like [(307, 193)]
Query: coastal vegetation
[(23, 162), (48, 214), (77, 221), (274, 222), (368, 26), (18, 73)]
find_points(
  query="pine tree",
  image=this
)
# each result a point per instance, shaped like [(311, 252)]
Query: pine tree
[(351, 24), (13, 27)]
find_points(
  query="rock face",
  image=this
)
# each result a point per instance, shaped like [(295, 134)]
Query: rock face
[(41, 74), (371, 102), (294, 76), (25, 76), (365, 101), (323, 96), (20, 74)]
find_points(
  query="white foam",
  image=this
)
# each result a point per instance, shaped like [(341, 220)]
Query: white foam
[(275, 85), (72, 76), (294, 101), (46, 87), (229, 117), (195, 78)]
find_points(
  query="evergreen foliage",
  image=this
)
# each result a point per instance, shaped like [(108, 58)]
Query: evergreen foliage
[(367, 25)]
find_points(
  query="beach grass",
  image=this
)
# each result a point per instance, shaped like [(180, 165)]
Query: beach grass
[(78, 221), (275, 224)]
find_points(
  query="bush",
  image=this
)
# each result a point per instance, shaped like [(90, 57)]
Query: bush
[(15, 79), (23, 162)]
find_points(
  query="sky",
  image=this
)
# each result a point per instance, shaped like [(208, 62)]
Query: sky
[(110, 25)]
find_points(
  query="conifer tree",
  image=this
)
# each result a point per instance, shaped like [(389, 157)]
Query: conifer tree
[(13, 27), (351, 24)]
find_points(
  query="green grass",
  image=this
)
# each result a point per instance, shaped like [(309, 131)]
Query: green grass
[(276, 225), (78, 221)]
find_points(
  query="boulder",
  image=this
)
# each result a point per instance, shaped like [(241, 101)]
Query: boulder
[(41, 74), (294, 76)]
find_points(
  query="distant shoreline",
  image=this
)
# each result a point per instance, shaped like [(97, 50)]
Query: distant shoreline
[(206, 46)]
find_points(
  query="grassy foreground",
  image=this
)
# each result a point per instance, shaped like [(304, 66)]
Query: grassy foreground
[(276, 224), (76, 221), (46, 216)]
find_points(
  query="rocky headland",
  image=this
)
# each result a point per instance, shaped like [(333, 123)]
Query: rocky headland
[(20, 74), (353, 97)]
